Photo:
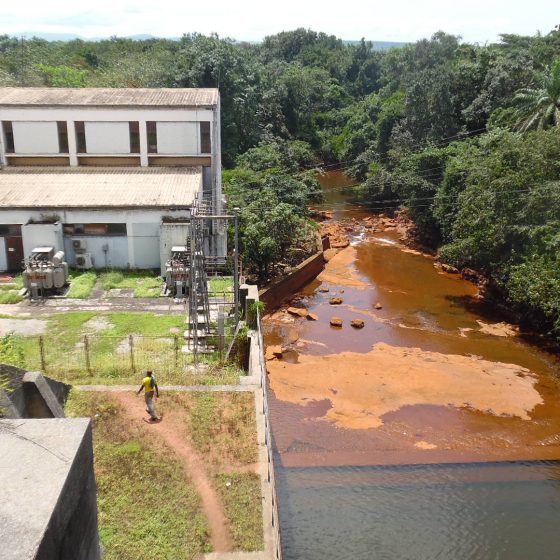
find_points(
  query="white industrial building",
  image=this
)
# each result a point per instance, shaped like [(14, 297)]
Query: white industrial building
[(108, 175)]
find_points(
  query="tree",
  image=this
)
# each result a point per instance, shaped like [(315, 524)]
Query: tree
[(539, 108), (62, 76)]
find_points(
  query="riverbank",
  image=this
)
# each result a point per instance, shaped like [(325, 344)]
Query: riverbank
[(389, 350), (341, 231)]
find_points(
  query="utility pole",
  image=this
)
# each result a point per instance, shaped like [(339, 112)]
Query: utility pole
[(236, 263)]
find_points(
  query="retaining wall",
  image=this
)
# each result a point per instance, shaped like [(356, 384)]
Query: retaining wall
[(256, 375), (278, 291)]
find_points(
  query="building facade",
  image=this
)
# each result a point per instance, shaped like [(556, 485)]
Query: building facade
[(110, 166)]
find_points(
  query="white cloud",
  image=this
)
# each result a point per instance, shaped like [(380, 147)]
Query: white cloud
[(476, 20)]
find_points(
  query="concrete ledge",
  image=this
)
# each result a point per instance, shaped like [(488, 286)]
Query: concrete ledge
[(48, 508), (40, 401), (278, 291), (32, 395)]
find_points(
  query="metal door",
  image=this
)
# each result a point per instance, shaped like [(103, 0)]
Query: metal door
[(14, 253)]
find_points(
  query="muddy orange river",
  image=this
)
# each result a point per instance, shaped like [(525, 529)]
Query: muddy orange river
[(434, 375)]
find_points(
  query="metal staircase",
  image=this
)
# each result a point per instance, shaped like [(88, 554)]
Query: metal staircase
[(203, 335)]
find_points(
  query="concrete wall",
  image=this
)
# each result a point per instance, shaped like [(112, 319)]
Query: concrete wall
[(48, 507), (277, 292), (107, 137), (32, 395), (116, 255), (41, 235), (140, 248), (99, 138), (178, 138), (3, 256), (256, 374), (35, 137), (144, 239)]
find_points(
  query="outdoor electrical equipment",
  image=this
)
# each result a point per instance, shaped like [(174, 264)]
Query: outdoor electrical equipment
[(177, 272), (44, 271)]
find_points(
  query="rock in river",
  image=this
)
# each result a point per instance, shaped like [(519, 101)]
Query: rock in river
[(298, 311)]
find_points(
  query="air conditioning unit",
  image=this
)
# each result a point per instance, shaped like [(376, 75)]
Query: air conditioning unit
[(79, 245), (84, 261)]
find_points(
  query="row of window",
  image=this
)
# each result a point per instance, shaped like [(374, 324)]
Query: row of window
[(134, 135), (7, 230), (94, 229)]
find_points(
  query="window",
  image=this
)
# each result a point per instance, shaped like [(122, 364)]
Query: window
[(152, 137), (134, 128), (94, 229), (205, 141), (10, 230), (62, 137), (80, 137), (8, 136)]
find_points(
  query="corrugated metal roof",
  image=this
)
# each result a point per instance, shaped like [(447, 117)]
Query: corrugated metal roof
[(99, 187), (116, 97)]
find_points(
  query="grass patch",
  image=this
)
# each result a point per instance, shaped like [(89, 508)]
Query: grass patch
[(9, 290), (154, 347), (81, 284), (220, 284), (241, 495), (147, 508), (221, 287), (10, 296), (222, 425), (145, 283)]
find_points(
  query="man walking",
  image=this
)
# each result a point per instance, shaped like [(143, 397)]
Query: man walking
[(149, 385)]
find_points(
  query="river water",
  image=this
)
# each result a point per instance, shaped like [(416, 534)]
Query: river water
[(432, 432)]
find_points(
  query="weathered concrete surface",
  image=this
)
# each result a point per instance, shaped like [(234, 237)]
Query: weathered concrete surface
[(31, 395), (278, 291), (40, 400), (48, 507)]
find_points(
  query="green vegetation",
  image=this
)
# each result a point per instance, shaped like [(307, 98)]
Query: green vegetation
[(147, 507), (220, 285), (407, 122), (222, 427), (9, 291), (10, 351), (241, 494), (156, 344), (145, 283), (81, 284)]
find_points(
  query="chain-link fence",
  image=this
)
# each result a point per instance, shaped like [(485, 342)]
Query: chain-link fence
[(115, 357)]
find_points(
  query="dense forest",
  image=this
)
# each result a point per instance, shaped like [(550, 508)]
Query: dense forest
[(465, 137)]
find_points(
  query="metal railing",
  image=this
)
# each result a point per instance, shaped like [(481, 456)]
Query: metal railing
[(275, 520)]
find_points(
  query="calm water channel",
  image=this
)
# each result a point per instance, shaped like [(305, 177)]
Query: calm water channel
[(428, 433)]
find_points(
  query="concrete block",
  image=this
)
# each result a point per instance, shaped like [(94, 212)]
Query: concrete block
[(7, 408), (40, 400), (48, 508)]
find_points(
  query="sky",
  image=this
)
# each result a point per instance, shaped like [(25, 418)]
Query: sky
[(251, 20)]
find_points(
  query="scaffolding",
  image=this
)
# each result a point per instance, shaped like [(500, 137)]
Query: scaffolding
[(208, 318)]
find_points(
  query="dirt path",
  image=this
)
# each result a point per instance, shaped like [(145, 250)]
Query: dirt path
[(173, 434)]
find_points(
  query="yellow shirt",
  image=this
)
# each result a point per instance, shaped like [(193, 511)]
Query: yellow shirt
[(148, 386)]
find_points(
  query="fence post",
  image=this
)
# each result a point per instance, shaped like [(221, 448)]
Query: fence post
[(131, 346), (86, 350), (176, 353), (42, 353)]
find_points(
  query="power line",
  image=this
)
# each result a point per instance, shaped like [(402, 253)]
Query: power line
[(443, 142)]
